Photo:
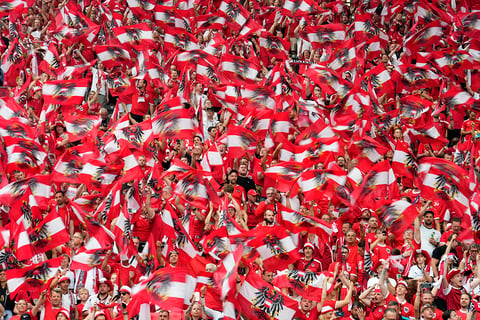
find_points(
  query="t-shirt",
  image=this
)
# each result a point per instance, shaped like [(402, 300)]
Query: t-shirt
[(425, 235)]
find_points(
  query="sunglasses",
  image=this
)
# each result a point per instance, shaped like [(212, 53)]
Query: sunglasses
[(124, 293)]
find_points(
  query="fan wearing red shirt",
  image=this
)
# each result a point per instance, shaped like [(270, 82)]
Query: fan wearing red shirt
[(406, 309), (304, 310), (378, 302), (270, 203), (238, 191), (142, 102), (380, 250), (308, 262)]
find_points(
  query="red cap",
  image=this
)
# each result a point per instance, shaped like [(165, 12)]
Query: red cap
[(309, 244), (65, 312), (252, 192), (452, 273), (64, 278)]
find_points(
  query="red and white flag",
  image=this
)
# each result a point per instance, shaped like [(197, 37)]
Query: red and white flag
[(135, 35), (260, 300), (275, 246), (235, 12), (65, 92), (323, 35), (237, 68)]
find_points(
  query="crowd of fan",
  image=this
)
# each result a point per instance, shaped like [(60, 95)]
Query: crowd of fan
[(369, 273)]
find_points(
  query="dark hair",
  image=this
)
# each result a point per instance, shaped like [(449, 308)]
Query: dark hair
[(233, 171), (358, 304), (393, 303), (456, 219), (447, 314), (429, 211)]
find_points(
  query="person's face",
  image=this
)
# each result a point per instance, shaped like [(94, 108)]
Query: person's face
[(61, 316), (373, 222), (65, 262), (351, 237), (366, 214), (136, 242), (456, 227), (401, 290), (196, 311), (173, 258), (473, 253), (326, 218), (427, 298), (163, 315), (64, 285), (213, 132), (355, 312), (329, 315), (317, 92), (306, 305), (3, 277), (390, 316), (268, 276), (233, 178), (427, 313), (103, 288), (141, 161), (269, 216), (454, 316), (408, 235), (448, 156), (428, 219), (421, 259), (125, 297), (77, 239), (464, 300), (308, 252), (21, 305), (457, 280), (270, 195), (174, 75), (56, 299), (243, 170), (83, 295), (59, 198), (473, 115)]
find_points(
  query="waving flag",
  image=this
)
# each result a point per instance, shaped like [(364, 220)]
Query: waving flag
[(113, 55), (403, 162), (210, 21), (237, 13), (32, 278), (260, 300), (237, 68), (275, 246), (48, 234), (226, 275), (79, 126), (165, 288), (397, 216), (134, 35), (442, 179), (65, 92), (323, 35)]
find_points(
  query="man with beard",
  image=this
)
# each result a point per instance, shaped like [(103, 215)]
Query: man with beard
[(268, 219), (425, 233), (103, 296)]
